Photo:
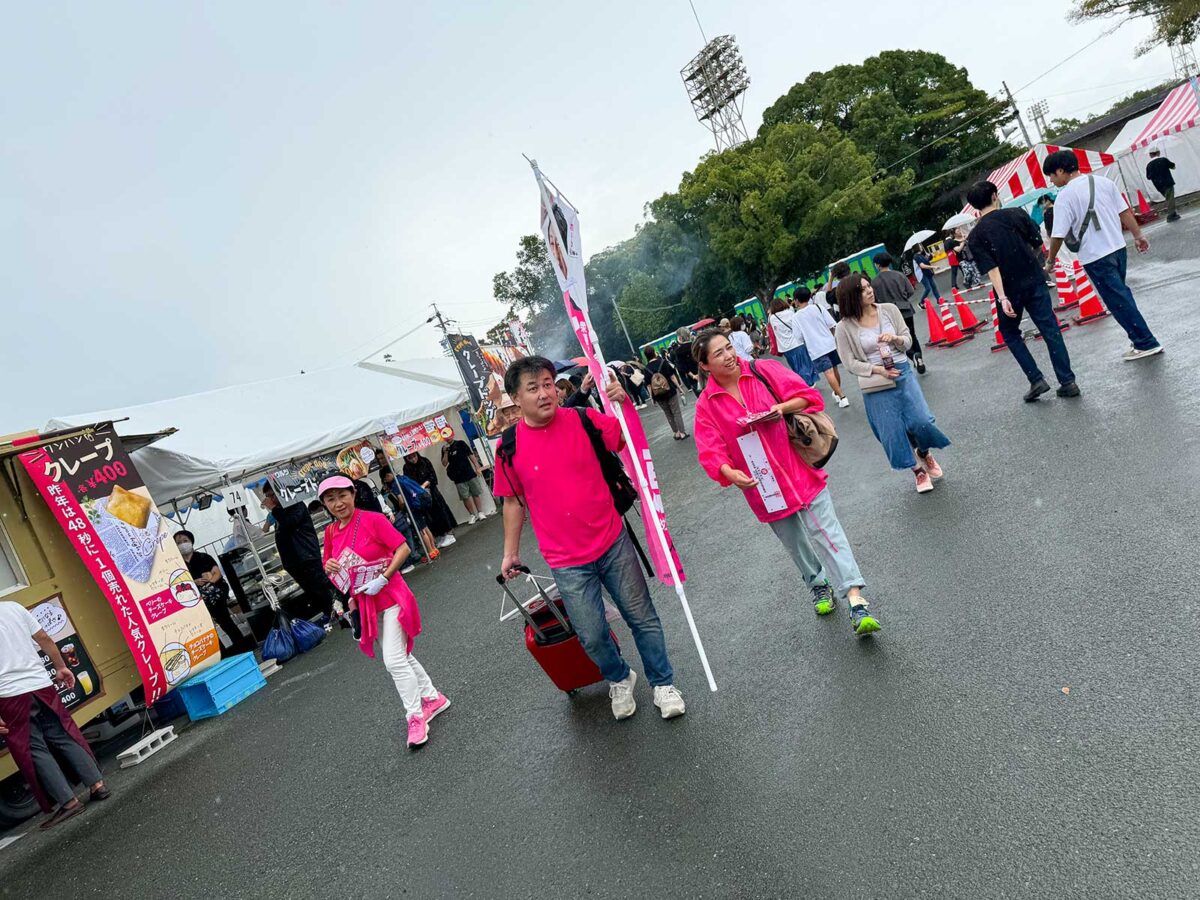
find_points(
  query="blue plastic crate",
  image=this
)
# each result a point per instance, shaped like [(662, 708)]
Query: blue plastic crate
[(225, 685)]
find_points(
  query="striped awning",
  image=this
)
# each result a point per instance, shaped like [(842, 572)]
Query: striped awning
[(1178, 112), (1024, 174)]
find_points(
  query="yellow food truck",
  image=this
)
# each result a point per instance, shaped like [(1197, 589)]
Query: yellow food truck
[(42, 569)]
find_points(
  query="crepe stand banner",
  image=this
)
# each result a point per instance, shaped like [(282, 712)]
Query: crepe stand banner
[(559, 226), (102, 505), (398, 441)]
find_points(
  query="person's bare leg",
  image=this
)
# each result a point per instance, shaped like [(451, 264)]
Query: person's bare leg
[(835, 381), (474, 507)]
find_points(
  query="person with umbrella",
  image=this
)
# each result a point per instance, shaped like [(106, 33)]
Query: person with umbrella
[(923, 265)]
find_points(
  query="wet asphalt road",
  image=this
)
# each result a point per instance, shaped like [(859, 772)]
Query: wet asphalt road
[(941, 759)]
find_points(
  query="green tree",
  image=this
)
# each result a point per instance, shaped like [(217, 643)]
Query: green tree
[(912, 111), (530, 290), (1056, 128), (1175, 21), (1140, 95), (786, 203)]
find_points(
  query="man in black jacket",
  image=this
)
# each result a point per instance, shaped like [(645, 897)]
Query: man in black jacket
[(1158, 170), (299, 550)]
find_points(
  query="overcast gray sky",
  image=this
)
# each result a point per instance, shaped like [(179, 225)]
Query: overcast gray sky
[(196, 195)]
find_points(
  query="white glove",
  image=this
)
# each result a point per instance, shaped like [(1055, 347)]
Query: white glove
[(374, 586)]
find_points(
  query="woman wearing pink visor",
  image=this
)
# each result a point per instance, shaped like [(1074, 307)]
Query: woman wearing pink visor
[(362, 555)]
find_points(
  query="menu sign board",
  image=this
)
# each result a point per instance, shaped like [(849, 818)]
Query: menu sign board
[(102, 505), (415, 438)]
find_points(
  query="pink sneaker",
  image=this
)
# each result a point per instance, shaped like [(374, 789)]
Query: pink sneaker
[(418, 732), (432, 706)]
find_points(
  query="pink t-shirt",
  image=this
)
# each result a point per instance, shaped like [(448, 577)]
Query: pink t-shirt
[(557, 475), (375, 539), (716, 431)]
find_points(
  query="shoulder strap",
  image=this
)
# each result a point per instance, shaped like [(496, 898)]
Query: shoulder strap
[(759, 375), (593, 433)]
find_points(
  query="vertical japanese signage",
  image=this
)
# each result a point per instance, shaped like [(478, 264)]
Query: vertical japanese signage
[(476, 374), (102, 505)]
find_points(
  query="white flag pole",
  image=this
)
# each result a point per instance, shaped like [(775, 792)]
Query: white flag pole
[(649, 507)]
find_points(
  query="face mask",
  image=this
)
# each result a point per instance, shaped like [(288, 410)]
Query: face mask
[(186, 547)]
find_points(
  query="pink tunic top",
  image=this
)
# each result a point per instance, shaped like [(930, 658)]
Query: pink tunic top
[(375, 540), (716, 430)]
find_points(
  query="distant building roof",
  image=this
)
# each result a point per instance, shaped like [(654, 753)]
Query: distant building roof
[(1117, 118)]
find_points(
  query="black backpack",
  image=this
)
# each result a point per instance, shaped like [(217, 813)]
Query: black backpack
[(624, 494)]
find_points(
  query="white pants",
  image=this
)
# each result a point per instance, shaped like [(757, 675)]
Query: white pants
[(412, 682)]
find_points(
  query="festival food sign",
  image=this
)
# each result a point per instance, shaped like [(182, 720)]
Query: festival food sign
[(401, 441), (98, 498)]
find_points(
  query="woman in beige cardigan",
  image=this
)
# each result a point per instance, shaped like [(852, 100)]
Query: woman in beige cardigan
[(871, 340)]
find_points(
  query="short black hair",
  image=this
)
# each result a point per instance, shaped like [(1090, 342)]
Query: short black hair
[(803, 294), (840, 270), (1060, 159), (883, 260), (183, 532), (1045, 197), (651, 353), (526, 365), (980, 194)]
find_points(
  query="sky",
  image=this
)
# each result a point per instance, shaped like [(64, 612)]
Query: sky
[(198, 195)]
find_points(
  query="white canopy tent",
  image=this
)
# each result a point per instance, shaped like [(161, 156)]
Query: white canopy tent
[(1172, 129), (232, 433)]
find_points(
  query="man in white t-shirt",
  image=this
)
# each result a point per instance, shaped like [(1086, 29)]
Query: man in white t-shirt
[(1097, 222), (33, 719)]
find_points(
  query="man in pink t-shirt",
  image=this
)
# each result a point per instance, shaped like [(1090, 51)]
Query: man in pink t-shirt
[(554, 472)]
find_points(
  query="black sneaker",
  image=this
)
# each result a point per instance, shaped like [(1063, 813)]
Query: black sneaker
[(1070, 389), (919, 361), (1036, 390)]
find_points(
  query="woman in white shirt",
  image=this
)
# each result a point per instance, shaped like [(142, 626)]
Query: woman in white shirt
[(743, 346), (816, 326), (790, 340)]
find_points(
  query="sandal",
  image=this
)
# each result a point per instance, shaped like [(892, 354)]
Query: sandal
[(103, 793)]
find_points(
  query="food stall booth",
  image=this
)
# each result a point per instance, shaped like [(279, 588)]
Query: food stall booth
[(290, 431)]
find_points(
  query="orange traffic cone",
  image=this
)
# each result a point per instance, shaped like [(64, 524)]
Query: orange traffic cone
[(953, 333), (937, 334), (999, 345), (969, 322), (1066, 289), (1091, 309), (1143, 206)]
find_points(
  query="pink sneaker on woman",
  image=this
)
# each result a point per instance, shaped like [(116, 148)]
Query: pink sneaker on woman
[(418, 732), (431, 706)]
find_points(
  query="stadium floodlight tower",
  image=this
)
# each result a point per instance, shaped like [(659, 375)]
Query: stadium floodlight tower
[(716, 82)]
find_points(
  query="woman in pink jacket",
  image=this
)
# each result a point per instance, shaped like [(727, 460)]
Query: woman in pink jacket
[(362, 556), (781, 488)]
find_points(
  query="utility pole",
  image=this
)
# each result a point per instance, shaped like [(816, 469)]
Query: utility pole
[(624, 329), (1017, 113), (477, 415)]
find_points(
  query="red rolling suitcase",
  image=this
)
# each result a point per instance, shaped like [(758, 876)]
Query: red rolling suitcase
[(552, 641)]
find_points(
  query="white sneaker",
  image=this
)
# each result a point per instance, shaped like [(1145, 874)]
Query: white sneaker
[(843, 402), (474, 518), (669, 701), (407, 569), (621, 694), (446, 540), (1133, 353)]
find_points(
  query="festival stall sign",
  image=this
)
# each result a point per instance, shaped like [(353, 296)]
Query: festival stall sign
[(400, 441), (559, 225), (356, 460), (98, 498)]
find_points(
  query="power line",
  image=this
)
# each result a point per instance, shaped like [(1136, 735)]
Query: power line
[(698, 25), (1067, 59)]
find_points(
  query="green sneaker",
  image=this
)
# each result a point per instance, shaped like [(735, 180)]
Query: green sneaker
[(824, 600), (862, 621)]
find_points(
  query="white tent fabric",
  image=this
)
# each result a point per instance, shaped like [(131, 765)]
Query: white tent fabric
[(440, 371), (234, 432), (1132, 154), (1024, 174), (1178, 112)]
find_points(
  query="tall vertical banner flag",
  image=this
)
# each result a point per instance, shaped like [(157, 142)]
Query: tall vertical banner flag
[(100, 502), (560, 229)]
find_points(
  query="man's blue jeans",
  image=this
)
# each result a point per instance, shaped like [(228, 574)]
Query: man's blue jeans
[(1041, 311), (1108, 275), (619, 571)]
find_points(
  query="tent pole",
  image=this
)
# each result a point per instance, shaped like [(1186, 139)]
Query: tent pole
[(403, 499)]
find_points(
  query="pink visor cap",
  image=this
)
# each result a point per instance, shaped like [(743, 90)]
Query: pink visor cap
[(334, 483)]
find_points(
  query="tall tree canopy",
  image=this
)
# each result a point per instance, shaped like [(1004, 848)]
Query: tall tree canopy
[(912, 111), (786, 203), (1175, 21)]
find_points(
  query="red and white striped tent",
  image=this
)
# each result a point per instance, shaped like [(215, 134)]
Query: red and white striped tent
[(1024, 174), (1178, 112)]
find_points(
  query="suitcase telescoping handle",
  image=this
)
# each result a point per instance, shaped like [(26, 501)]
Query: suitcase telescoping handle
[(550, 604)]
